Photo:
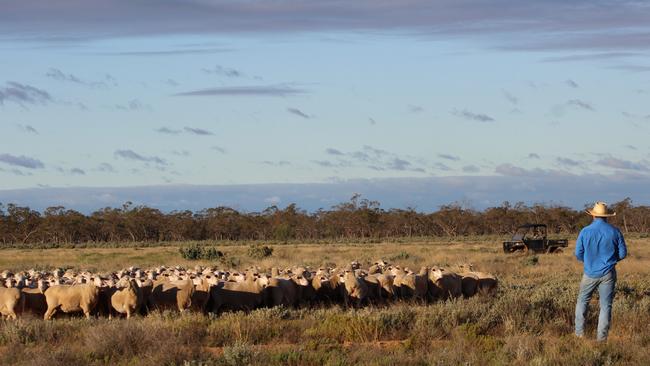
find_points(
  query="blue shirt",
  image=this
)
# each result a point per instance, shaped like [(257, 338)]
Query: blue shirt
[(600, 246)]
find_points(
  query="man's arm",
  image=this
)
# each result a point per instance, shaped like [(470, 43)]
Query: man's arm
[(622, 248), (580, 248)]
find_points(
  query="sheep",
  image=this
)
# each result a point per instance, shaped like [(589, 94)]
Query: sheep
[(176, 295), (243, 295), (127, 298), (444, 284), (9, 298), (71, 299)]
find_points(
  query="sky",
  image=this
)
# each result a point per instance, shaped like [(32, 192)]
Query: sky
[(192, 104)]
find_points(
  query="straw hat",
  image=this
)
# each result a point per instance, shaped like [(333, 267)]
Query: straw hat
[(600, 210)]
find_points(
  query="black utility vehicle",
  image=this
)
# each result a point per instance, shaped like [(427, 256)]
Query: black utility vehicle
[(532, 238)]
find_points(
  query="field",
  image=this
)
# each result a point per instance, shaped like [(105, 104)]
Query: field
[(529, 322)]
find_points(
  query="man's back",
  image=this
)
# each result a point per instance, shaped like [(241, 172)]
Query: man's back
[(600, 246)]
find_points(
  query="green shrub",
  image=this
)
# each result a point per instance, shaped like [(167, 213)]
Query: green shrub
[(258, 251), (531, 261), (196, 252)]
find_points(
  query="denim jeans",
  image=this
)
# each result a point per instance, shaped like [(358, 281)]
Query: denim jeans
[(588, 285)]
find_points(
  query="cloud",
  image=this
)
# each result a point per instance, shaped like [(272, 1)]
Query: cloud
[(631, 68), (246, 91), (442, 166), (198, 131), (415, 108), (591, 56), (133, 105), (572, 83), (28, 129), (510, 98), (21, 161), (580, 104), (568, 162), (175, 52), (132, 155), (23, 94), (59, 75), (273, 200), (480, 117), (77, 171), (106, 168), (372, 121), (224, 71), (276, 163), (449, 157), (471, 169), (183, 153), (533, 156), (508, 169), (621, 164), (219, 149), (298, 113), (581, 25), (332, 151), (168, 131)]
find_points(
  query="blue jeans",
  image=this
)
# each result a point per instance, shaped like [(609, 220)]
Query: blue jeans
[(588, 285)]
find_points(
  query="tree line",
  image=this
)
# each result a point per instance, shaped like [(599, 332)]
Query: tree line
[(359, 218)]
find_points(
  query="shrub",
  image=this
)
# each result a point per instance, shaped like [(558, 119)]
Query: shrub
[(259, 251), (196, 252), (531, 261)]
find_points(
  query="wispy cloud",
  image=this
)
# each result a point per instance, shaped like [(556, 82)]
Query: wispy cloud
[(28, 129), (580, 104), (616, 163), (198, 131), (224, 71), (591, 56), (168, 131), (219, 149), (298, 112), (332, 151), (246, 91), (631, 68), (471, 169), (23, 94), (412, 108), (133, 105), (106, 168), (21, 161), (510, 97), (533, 156), (572, 84), (56, 74), (132, 155), (276, 163), (174, 52), (449, 157), (479, 117), (568, 162)]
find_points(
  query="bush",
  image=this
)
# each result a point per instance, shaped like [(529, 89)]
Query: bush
[(531, 261), (196, 252), (259, 251)]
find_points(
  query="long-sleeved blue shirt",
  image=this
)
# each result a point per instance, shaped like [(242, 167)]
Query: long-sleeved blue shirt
[(600, 246)]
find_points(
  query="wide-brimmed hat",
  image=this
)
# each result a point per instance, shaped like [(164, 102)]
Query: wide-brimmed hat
[(600, 210)]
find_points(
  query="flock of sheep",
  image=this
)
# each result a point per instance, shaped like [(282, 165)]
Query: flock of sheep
[(136, 291)]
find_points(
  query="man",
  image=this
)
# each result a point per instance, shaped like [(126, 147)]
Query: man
[(600, 246)]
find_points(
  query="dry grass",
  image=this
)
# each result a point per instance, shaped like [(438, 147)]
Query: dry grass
[(528, 323)]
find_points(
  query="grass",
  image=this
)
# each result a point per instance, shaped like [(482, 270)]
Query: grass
[(529, 322)]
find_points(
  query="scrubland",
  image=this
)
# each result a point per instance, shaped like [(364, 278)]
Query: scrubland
[(528, 322)]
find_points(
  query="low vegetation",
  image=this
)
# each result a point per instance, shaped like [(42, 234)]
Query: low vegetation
[(528, 322)]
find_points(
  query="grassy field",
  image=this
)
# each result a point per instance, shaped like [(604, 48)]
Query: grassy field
[(529, 322)]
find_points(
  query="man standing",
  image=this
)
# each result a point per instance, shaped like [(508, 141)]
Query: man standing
[(600, 246)]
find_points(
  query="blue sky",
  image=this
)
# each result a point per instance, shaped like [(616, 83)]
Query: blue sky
[(130, 94)]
